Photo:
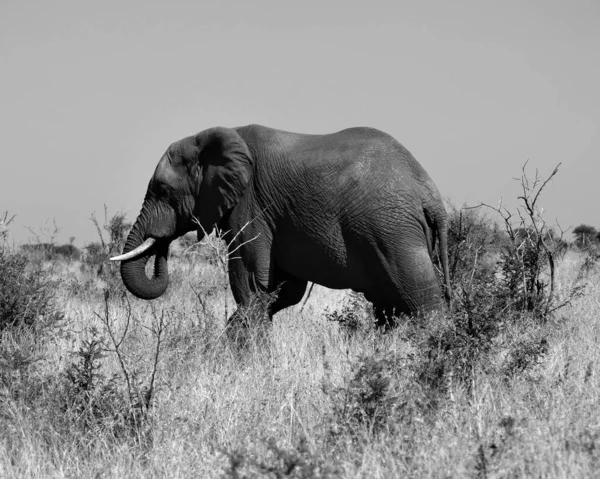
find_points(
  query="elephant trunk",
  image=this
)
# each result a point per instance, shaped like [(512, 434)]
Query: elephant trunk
[(133, 271)]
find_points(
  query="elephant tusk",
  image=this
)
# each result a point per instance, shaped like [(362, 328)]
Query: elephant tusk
[(145, 246)]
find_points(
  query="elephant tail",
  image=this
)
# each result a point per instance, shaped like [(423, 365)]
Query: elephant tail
[(443, 252), (438, 225)]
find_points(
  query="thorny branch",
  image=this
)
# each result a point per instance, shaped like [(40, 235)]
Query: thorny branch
[(157, 330), (49, 232), (105, 319), (532, 231)]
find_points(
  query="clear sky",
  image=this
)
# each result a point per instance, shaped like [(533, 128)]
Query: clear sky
[(92, 93)]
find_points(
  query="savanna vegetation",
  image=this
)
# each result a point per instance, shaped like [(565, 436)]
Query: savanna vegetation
[(96, 383)]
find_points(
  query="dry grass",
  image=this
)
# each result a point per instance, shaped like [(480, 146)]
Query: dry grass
[(294, 403)]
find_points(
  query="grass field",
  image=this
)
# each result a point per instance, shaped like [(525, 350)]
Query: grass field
[(319, 393)]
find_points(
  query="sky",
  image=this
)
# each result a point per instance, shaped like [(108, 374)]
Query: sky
[(92, 94)]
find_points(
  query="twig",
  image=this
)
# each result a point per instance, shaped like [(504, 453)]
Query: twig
[(158, 334), (117, 344)]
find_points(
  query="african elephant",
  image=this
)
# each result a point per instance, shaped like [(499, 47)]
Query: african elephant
[(351, 209)]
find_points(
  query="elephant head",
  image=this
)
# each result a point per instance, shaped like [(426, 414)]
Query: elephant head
[(197, 181)]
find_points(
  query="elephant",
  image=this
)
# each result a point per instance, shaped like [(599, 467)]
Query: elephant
[(347, 210)]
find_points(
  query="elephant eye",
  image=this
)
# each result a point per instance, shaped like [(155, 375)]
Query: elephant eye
[(163, 190)]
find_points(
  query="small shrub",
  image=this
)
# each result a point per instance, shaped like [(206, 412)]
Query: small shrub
[(590, 262), (466, 342), (79, 403), (92, 401), (117, 228), (520, 266), (381, 397), (351, 318), (139, 393), (5, 222), (26, 294), (524, 354), (528, 263), (473, 242), (69, 252), (368, 400), (296, 462), (502, 281), (98, 253), (37, 253)]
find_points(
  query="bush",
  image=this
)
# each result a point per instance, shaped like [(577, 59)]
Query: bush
[(117, 228), (351, 317), (69, 252), (95, 257), (502, 281), (383, 396), (26, 295), (520, 272), (5, 222), (91, 402), (368, 399), (98, 253), (45, 252), (299, 462), (474, 241), (525, 353), (79, 406)]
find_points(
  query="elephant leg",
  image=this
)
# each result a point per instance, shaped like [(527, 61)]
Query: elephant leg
[(257, 302), (282, 292), (248, 320), (249, 282), (420, 286)]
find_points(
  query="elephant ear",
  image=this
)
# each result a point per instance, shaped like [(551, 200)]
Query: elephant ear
[(226, 170)]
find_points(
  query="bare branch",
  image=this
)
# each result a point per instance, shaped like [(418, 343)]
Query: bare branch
[(45, 235), (545, 183), (158, 333), (105, 319), (99, 230)]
